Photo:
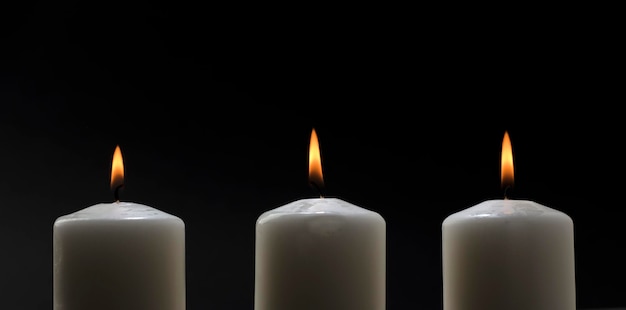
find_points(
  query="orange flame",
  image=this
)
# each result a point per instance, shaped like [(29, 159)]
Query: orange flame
[(315, 162), (506, 177), (117, 169)]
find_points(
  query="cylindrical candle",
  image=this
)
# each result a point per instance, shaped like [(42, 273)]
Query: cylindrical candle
[(119, 255), (508, 254), (320, 253)]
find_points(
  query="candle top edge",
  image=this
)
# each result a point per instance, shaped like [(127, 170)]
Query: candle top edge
[(317, 206), (117, 211), (496, 208)]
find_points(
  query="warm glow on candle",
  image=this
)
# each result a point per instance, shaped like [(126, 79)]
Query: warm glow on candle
[(315, 162), (507, 178), (117, 169)]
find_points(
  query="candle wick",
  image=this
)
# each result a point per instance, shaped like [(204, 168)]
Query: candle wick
[(317, 188), (116, 193), (506, 189)]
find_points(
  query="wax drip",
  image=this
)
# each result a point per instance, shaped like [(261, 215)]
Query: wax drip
[(116, 193)]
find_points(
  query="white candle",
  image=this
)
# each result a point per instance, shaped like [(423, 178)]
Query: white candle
[(119, 255), (320, 253), (508, 254)]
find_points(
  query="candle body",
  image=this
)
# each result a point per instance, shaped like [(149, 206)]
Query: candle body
[(119, 256), (508, 254), (317, 254)]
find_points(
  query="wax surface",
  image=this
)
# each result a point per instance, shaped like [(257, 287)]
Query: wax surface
[(320, 254), (508, 254), (119, 256)]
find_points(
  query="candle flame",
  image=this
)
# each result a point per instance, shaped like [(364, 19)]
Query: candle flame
[(117, 169), (506, 177), (315, 162)]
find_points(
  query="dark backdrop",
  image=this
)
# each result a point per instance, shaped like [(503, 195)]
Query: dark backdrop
[(213, 106)]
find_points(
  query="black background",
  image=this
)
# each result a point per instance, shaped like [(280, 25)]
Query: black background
[(213, 105)]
